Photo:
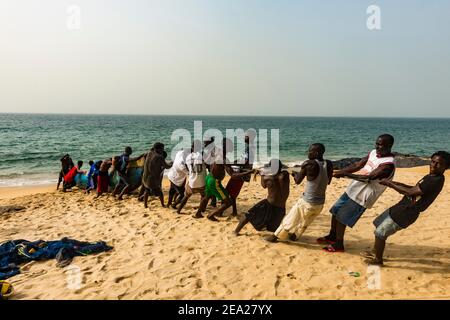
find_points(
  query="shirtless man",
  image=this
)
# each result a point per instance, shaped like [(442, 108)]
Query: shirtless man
[(268, 213)]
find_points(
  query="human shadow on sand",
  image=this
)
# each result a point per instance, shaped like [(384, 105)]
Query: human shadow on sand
[(412, 257)]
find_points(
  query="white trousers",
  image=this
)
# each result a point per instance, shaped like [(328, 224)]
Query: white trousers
[(301, 215)]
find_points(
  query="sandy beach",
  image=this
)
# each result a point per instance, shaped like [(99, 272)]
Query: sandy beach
[(161, 255)]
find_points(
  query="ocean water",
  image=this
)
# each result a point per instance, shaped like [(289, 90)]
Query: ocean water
[(32, 144)]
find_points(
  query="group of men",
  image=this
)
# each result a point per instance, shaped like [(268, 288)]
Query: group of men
[(202, 169), (370, 177), (198, 170)]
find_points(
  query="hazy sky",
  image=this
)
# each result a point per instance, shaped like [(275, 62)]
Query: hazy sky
[(226, 57)]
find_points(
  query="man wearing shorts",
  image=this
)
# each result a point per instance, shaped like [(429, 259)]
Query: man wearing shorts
[(196, 176), (241, 174), (416, 200), (213, 183), (363, 191), (318, 173)]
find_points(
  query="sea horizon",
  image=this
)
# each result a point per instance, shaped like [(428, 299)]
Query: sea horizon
[(32, 143), (224, 115)]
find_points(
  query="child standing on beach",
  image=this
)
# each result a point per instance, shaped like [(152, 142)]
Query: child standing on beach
[(416, 200)]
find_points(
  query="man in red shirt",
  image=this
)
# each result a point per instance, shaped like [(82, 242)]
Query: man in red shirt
[(69, 178)]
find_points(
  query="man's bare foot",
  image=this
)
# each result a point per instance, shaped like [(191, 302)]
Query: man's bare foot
[(198, 215), (236, 233), (212, 218), (292, 237), (271, 238)]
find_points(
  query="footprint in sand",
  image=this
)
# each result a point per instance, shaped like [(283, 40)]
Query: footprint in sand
[(277, 284), (124, 277)]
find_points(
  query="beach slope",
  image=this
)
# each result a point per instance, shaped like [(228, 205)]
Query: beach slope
[(161, 255)]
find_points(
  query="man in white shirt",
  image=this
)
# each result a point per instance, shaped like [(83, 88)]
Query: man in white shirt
[(196, 174), (363, 191), (177, 177)]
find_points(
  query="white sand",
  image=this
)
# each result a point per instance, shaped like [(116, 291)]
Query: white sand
[(161, 255)]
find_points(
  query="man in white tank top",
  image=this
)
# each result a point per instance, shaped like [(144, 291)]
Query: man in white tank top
[(363, 191), (318, 173)]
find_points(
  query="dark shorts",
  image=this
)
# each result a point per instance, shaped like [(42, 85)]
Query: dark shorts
[(347, 211), (265, 216), (69, 185), (385, 226), (155, 192), (234, 187), (176, 189), (124, 180)]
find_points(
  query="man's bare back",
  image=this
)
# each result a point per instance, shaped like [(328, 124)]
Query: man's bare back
[(277, 187)]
